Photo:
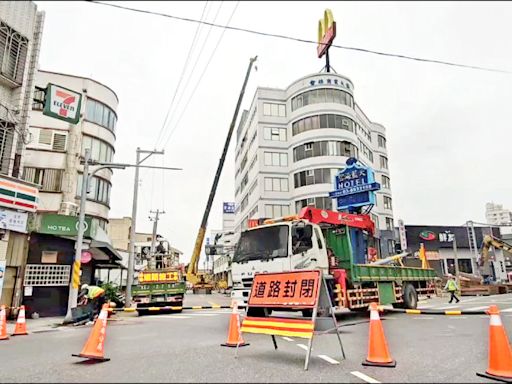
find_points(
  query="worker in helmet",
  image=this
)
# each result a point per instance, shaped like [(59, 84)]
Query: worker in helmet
[(94, 294)]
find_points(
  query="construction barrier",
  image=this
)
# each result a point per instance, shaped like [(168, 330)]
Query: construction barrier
[(431, 312), (170, 308)]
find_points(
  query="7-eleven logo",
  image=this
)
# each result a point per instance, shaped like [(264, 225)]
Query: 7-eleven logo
[(66, 104)]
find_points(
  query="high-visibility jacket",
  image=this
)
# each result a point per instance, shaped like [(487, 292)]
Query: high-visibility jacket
[(94, 292), (451, 285)]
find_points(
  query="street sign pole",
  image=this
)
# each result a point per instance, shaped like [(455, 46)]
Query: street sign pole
[(131, 256), (75, 279)]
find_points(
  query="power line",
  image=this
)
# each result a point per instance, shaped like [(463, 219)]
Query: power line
[(191, 73), (305, 40), (200, 77), (185, 66)]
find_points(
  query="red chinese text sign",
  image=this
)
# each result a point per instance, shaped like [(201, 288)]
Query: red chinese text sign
[(297, 289)]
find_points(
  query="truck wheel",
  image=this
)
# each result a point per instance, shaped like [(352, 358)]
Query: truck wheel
[(410, 297)]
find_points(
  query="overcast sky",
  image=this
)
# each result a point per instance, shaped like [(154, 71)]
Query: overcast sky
[(448, 128)]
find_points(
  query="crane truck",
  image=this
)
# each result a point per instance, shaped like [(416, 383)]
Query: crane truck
[(336, 243)]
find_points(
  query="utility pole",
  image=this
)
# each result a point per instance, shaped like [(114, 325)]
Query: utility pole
[(131, 256), (75, 279), (155, 225)]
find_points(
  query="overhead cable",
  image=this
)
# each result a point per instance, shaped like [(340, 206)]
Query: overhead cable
[(185, 66), (306, 40), (200, 77)]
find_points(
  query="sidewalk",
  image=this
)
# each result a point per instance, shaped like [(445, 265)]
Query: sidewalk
[(38, 325)]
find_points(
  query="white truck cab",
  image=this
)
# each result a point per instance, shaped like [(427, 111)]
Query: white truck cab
[(278, 247)]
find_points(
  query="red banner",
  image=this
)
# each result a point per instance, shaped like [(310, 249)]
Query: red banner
[(286, 289)]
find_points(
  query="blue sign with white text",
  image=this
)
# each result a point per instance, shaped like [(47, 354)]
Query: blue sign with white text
[(355, 186), (228, 207)]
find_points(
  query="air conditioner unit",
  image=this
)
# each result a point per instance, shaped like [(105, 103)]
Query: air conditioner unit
[(68, 208)]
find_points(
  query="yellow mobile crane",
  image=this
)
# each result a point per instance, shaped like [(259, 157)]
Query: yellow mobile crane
[(487, 243), (201, 282)]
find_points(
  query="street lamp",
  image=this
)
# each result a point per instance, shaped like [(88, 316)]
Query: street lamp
[(86, 182)]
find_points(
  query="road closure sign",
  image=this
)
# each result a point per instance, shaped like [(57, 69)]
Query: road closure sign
[(297, 289)]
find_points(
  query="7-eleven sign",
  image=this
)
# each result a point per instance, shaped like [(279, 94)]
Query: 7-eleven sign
[(62, 103)]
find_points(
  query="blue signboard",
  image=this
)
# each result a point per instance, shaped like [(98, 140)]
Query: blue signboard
[(354, 186), (228, 207)]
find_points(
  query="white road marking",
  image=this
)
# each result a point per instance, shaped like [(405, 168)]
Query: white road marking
[(426, 306), (422, 318), (287, 338), (203, 314), (166, 317), (477, 308), (362, 376), (448, 307), (506, 310), (302, 346), (328, 359)]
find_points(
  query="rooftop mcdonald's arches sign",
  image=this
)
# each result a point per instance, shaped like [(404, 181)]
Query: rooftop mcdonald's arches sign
[(326, 32)]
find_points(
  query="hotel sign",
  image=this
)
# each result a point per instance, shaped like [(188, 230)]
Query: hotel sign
[(62, 103)]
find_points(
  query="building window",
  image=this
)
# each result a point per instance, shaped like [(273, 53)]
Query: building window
[(6, 141), (274, 134), (49, 139), (383, 162), (253, 162), (389, 221), (253, 187), (244, 182), (49, 179), (391, 247), (381, 140), (100, 114), (13, 53), (276, 159), (99, 190), (244, 203), (322, 95), (99, 149), (386, 182), (313, 176), (38, 102), (366, 151), (276, 184), (276, 210), (365, 132), (244, 162), (271, 109), (318, 202), (387, 202), (253, 211), (324, 148), (321, 122)]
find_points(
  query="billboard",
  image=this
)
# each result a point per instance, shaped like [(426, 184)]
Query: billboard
[(228, 207), (326, 32), (62, 103), (354, 186)]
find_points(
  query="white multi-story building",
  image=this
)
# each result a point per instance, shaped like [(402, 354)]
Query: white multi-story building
[(291, 142), (225, 239), (53, 155), (497, 215)]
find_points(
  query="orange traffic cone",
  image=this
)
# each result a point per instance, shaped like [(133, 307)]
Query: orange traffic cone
[(3, 324), (378, 353), (500, 354), (94, 347), (21, 325), (234, 335)]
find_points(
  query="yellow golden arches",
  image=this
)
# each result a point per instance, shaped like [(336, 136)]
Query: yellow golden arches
[(324, 24)]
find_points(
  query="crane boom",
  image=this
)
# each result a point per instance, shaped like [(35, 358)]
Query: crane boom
[(192, 270), (491, 241)]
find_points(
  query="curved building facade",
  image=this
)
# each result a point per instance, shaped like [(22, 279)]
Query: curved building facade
[(291, 142), (52, 158)]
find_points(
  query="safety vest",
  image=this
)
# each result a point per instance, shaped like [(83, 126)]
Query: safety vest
[(94, 292), (451, 285)]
